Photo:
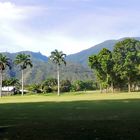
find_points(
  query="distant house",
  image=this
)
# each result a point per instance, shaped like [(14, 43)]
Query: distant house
[(8, 90)]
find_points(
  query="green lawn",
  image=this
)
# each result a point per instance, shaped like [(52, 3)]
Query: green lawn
[(88, 116)]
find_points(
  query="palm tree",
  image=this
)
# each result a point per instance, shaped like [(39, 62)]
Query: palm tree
[(58, 58), (23, 61), (4, 61)]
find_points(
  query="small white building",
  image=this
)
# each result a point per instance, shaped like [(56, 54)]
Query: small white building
[(8, 89)]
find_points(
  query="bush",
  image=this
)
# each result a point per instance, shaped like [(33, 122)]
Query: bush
[(65, 86), (49, 85), (83, 85)]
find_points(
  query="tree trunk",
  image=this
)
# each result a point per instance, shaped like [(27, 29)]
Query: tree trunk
[(0, 83), (129, 87), (112, 87), (22, 82), (58, 80), (100, 88)]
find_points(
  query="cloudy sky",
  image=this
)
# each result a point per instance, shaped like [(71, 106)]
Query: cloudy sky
[(67, 25)]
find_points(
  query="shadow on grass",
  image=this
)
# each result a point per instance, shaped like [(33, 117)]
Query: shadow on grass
[(93, 120)]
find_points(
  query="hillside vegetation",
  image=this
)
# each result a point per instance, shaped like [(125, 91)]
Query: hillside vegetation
[(43, 69), (82, 56)]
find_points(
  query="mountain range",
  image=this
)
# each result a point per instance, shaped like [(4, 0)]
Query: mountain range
[(43, 68), (76, 68), (82, 57)]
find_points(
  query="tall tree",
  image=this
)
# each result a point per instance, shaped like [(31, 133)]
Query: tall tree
[(23, 61), (58, 57), (95, 64), (103, 64), (126, 57), (107, 64), (4, 61)]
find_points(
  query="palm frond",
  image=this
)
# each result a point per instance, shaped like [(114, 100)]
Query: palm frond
[(5, 61), (58, 57), (23, 60)]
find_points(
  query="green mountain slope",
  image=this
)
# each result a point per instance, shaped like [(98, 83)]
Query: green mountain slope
[(76, 68), (82, 57), (43, 68)]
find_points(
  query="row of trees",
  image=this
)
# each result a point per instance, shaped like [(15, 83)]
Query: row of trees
[(112, 69), (23, 61), (50, 85), (118, 68)]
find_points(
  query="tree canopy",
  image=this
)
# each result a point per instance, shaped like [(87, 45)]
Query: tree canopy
[(122, 64)]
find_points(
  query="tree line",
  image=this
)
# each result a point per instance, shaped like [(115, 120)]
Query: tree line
[(50, 86), (119, 68), (115, 69), (23, 61)]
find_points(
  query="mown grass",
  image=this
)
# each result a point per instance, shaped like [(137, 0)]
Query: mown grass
[(78, 116)]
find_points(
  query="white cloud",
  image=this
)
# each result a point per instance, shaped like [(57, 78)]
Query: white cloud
[(12, 27), (9, 11), (70, 30), (14, 32)]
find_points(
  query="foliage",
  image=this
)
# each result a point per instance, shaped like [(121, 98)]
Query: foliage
[(4, 62), (11, 82), (23, 61), (103, 65), (83, 85), (115, 69), (49, 85), (126, 56), (65, 86), (43, 68), (58, 58), (35, 88)]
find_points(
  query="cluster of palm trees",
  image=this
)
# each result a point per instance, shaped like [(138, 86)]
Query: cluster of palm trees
[(23, 61)]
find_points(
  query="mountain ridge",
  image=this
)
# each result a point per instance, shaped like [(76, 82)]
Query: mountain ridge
[(43, 68), (82, 56), (34, 55), (76, 68)]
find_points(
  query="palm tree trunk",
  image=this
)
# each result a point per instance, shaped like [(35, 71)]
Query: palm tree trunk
[(0, 83), (129, 85), (22, 81), (100, 88), (58, 80), (112, 86)]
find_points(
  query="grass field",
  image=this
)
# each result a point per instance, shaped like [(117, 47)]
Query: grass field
[(78, 116)]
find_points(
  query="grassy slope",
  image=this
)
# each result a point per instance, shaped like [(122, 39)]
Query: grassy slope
[(89, 116)]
